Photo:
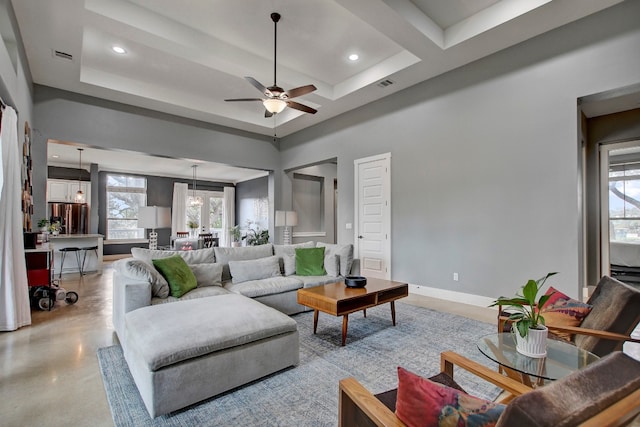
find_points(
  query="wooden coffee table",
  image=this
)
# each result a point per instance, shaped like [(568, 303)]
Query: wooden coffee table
[(339, 300)]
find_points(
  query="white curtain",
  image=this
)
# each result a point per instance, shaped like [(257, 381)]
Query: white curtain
[(14, 289), (179, 208), (229, 219)]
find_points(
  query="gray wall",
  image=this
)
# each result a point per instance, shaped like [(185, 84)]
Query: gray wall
[(159, 193), (68, 116), (313, 199), (485, 158), (16, 91)]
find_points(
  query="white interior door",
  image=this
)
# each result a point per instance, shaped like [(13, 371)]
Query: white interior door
[(373, 215)]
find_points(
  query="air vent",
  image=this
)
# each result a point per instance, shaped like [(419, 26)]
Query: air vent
[(385, 83), (62, 55)]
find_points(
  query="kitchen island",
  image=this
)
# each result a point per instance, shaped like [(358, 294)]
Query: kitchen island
[(93, 261)]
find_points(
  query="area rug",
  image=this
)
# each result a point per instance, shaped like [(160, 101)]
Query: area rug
[(307, 395)]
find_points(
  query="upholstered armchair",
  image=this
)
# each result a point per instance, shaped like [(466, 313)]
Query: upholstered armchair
[(605, 393), (614, 315)]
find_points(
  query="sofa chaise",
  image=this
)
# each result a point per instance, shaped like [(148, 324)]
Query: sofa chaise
[(231, 329)]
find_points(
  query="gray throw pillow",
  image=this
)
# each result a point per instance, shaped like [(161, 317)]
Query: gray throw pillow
[(255, 269), (224, 255), (288, 264), (139, 270), (282, 251), (209, 274), (198, 256), (344, 253), (331, 264)]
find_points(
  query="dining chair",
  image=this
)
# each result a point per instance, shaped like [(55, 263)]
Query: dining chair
[(208, 240)]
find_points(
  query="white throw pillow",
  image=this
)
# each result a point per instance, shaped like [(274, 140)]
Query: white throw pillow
[(255, 269), (208, 274)]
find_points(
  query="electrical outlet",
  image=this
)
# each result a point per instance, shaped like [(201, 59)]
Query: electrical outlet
[(455, 277)]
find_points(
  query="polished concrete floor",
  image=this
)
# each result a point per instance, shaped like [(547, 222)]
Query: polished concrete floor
[(50, 374)]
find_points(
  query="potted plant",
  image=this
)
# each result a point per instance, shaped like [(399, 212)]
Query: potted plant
[(55, 227), (43, 225), (255, 236), (193, 226), (236, 235), (531, 335)]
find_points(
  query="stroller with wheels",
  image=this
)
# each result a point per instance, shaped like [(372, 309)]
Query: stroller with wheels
[(44, 297), (44, 290)]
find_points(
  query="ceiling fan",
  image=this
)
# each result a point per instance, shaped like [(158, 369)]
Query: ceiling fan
[(276, 98)]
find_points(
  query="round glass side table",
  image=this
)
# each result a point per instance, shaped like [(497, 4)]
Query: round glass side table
[(562, 359)]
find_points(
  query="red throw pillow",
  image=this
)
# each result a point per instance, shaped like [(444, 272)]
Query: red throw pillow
[(562, 310), (422, 402)]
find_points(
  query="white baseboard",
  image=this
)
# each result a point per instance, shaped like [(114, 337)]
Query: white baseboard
[(447, 295)]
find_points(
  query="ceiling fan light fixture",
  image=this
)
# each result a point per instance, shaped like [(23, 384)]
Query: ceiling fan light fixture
[(274, 106)]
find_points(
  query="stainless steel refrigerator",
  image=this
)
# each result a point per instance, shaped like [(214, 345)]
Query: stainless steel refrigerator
[(74, 217)]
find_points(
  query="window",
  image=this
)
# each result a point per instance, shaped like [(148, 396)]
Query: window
[(624, 202), (208, 214), (125, 194)]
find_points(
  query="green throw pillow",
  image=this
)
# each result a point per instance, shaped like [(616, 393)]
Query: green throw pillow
[(310, 262), (178, 274)]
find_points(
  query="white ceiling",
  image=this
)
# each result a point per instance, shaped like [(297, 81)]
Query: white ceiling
[(66, 154), (186, 57)]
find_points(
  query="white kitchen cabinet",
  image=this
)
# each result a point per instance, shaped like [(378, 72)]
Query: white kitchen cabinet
[(62, 190)]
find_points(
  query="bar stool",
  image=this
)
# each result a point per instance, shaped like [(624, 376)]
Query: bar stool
[(64, 254), (84, 258)]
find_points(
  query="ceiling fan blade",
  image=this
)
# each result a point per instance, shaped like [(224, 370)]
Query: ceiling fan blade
[(244, 99), (298, 106), (299, 91), (267, 113), (259, 86)]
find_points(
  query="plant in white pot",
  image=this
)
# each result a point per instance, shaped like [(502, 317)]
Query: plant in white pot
[(236, 235), (526, 314)]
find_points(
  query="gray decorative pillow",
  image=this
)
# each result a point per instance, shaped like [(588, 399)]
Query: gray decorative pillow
[(139, 270), (255, 269), (289, 264), (282, 251), (344, 253), (209, 274), (224, 255), (331, 264), (198, 256)]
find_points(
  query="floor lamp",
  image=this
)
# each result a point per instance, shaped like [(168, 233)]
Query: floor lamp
[(286, 219), (154, 217)]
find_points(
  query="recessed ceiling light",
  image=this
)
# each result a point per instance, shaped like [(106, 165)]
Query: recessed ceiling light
[(118, 49), (55, 156), (353, 57)]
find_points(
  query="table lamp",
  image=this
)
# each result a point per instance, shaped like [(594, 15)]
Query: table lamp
[(286, 219), (154, 217)]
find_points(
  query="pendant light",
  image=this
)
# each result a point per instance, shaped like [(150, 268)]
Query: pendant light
[(195, 200), (80, 195)]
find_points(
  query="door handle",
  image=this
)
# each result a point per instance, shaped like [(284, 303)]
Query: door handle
[(360, 237)]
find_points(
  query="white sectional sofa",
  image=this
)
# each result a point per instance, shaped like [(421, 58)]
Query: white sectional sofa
[(166, 357)]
